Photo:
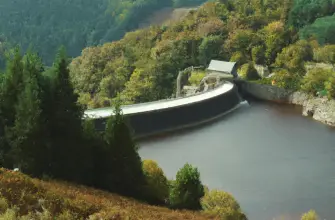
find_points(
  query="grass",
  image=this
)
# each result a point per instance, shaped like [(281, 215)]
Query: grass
[(61, 199)]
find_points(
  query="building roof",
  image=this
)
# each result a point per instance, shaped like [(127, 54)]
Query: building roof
[(221, 66)]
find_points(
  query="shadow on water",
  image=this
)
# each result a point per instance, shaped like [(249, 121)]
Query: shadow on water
[(180, 132)]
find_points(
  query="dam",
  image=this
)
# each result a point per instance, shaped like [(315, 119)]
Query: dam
[(151, 118)]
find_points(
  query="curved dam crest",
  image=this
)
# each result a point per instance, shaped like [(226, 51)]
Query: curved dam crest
[(151, 118)]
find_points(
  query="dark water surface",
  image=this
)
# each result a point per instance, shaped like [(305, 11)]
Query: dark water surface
[(277, 163)]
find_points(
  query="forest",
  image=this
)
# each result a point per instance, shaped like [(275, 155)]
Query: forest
[(283, 35), (74, 24)]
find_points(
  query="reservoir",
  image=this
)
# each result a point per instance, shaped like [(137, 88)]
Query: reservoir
[(276, 163)]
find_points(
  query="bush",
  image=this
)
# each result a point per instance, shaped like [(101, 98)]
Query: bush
[(248, 71), (294, 56), (315, 80), (284, 79), (196, 77), (330, 86), (239, 58), (325, 54), (187, 190), (3, 204), (258, 55), (222, 204), (311, 215), (157, 184)]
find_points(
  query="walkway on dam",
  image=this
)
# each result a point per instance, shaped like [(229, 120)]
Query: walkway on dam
[(162, 104)]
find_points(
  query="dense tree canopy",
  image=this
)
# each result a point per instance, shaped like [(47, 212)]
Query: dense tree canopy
[(144, 65), (75, 24)]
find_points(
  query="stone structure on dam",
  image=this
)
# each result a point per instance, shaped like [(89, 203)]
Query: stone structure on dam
[(151, 118)]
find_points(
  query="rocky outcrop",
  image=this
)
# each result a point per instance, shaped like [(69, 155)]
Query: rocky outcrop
[(321, 109)]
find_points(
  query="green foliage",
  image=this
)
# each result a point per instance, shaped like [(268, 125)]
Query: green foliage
[(209, 49), (156, 183), (75, 24), (285, 79), (293, 57), (323, 29), (222, 204), (27, 144), (258, 55), (248, 71), (316, 80), (310, 215), (276, 37), (325, 54), (239, 58), (126, 164), (196, 77), (46, 136), (330, 86), (187, 189), (305, 12)]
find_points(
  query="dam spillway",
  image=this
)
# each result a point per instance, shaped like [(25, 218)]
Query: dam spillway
[(147, 119)]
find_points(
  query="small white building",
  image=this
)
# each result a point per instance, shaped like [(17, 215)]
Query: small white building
[(227, 69)]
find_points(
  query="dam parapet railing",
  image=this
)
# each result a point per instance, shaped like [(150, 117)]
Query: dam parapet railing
[(151, 118)]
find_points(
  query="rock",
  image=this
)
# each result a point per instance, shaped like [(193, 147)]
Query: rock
[(263, 71), (189, 90), (321, 109)]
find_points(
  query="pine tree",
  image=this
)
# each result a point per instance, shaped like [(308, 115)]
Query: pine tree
[(65, 124), (11, 87), (187, 190), (126, 165), (27, 140)]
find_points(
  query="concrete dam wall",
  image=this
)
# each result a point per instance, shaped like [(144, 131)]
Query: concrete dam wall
[(147, 119)]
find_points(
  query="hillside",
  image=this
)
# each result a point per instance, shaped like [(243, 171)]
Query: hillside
[(144, 64), (29, 195), (46, 25), (165, 16)]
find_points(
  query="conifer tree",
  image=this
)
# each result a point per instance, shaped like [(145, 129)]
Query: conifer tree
[(27, 140), (10, 89), (187, 190), (65, 124), (126, 165)]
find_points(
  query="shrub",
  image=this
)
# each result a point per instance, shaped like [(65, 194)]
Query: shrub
[(330, 86), (294, 56), (196, 77), (157, 183), (222, 204), (310, 215), (187, 190), (248, 71), (3, 204), (315, 80), (258, 55), (325, 54), (284, 79), (239, 58)]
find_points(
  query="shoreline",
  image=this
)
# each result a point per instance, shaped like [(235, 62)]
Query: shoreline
[(319, 108)]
